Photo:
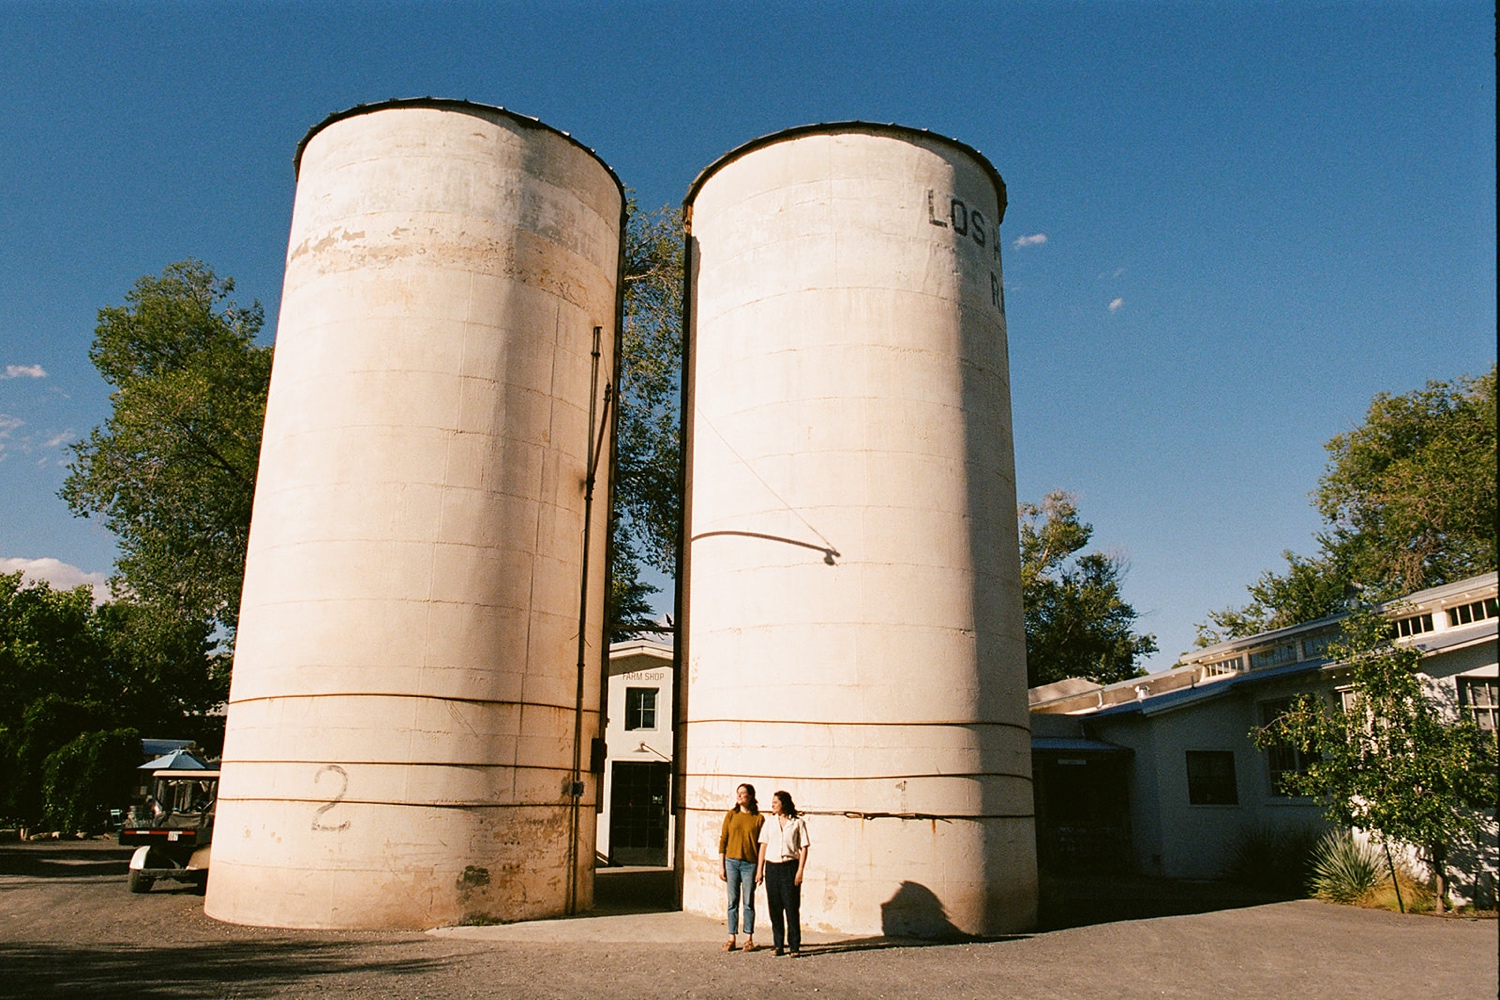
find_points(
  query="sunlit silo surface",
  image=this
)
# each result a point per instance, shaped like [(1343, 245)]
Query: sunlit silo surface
[(853, 607), (409, 691)]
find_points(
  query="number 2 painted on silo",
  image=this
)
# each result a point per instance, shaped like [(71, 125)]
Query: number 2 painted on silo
[(317, 823)]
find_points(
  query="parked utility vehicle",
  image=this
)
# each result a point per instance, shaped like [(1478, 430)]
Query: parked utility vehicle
[(173, 830)]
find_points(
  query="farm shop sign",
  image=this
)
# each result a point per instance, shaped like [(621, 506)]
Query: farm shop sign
[(945, 211), (645, 675)]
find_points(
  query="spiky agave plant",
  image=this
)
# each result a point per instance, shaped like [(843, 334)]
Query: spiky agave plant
[(1344, 870)]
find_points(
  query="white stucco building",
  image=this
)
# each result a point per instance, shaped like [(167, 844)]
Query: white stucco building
[(635, 821), (1159, 774)]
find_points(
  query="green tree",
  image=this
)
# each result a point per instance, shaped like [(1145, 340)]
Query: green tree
[(69, 669), (1309, 589), (1393, 764), (172, 471), (1409, 496), (1077, 624), (88, 776), (647, 511), (1409, 501)]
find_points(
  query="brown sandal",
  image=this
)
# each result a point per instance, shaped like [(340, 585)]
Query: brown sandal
[(750, 945), (729, 945)]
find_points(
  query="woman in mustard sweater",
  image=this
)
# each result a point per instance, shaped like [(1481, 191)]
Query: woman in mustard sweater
[(739, 850)]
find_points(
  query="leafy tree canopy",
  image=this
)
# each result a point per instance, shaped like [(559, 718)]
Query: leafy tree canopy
[(647, 500), (1394, 764), (69, 669), (1409, 496), (172, 471), (1409, 501), (1077, 624)]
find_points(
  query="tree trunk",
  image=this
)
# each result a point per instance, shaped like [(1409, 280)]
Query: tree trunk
[(1439, 877)]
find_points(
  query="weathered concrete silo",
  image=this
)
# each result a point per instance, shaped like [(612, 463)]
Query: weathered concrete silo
[(852, 587), (409, 722)]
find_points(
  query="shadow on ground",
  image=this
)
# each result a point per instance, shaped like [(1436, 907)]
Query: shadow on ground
[(1081, 900), (249, 969), (618, 891), (1072, 900), (52, 860)]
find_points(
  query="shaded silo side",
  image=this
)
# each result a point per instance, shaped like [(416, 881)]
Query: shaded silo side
[(411, 702), (852, 600)]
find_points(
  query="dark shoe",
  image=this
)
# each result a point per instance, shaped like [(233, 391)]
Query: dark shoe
[(779, 953), (795, 953)]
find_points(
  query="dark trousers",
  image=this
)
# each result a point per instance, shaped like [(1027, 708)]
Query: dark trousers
[(785, 897)]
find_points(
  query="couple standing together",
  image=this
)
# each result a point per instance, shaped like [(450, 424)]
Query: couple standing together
[(754, 849)]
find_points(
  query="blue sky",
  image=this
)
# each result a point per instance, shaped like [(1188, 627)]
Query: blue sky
[(1256, 216)]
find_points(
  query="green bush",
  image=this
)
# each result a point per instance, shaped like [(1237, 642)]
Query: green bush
[(1345, 870), (1277, 859), (84, 778)]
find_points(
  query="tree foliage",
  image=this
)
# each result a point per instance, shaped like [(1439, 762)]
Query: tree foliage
[(86, 777), (1409, 501), (1307, 590), (1409, 496), (647, 510), (69, 669), (172, 471), (1394, 764), (1077, 623)]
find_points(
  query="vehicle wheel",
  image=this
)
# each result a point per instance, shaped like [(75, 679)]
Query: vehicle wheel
[(138, 882), (200, 884)]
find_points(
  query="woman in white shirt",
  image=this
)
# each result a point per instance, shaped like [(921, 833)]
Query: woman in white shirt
[(783, 861)]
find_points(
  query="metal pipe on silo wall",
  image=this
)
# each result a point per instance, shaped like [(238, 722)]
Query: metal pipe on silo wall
[(852, 625), (404, 713)]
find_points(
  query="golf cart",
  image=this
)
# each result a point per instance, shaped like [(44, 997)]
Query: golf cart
[(172, 831)]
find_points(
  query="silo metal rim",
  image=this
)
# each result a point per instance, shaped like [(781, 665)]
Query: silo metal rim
[(448, 104), (831, 128)]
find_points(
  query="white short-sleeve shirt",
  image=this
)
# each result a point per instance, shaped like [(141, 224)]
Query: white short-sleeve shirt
[(783, 843)]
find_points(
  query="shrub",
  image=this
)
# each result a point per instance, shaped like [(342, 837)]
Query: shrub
[(1344, 870), (1277, 859), (87, 776)]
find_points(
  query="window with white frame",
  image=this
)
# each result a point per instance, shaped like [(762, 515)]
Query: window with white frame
[(1221, 668), (1274, 657), (1210, 775), (1282, 759), (640, 708), (1476, 611), (1317, 647), (1414, 625), (1479, 697)]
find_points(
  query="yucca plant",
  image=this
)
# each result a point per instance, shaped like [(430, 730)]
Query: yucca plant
[(1276, 859), (1344, 870)]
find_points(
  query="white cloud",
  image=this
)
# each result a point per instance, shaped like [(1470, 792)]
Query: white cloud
[(59, 574), (24, 371), (8, 423), (1035, 239), (62, 438), (1116, 304)]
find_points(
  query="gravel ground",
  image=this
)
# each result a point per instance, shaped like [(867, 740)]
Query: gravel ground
[(69, 928)]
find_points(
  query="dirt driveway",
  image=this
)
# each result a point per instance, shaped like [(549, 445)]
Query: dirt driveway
[(69, 928)]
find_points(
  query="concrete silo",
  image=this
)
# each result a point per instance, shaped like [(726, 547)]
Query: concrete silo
[(852, 600), (417, 671)]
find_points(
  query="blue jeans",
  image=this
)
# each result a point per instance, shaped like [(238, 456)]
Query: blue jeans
[(739, 878)]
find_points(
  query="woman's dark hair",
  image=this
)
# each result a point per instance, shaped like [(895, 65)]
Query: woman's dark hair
[(753, 806), (788, 807)]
